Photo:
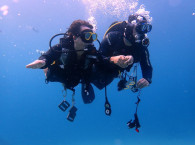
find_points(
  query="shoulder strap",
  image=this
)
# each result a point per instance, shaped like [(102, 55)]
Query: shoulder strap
[(116, 26)]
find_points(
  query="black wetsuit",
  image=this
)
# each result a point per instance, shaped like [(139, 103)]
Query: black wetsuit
[(67, 69), (113, 45)]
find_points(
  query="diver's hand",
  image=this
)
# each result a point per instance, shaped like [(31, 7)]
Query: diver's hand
[(142, 83), (122, 61), (129, 60), (36, 64)]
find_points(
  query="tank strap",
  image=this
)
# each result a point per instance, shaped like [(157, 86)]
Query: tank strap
[(112, 26)]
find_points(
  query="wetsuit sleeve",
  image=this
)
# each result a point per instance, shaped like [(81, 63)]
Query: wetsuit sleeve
[(146, 65), (107, 49), (51, 55)]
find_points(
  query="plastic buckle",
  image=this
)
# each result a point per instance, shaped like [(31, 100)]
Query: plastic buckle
[(72, 113), (64, 105)]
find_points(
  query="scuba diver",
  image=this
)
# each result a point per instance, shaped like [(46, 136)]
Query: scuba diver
[(124, 45), (70, 62)]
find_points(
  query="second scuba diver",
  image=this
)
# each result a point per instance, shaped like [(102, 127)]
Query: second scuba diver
[(124, 44)]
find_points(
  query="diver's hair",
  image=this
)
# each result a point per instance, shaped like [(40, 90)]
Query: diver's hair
[(75, 27)]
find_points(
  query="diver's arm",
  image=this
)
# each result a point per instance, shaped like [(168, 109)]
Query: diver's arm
[(146, 66), (46, 59), (51, 55), (106, 51), (36, 64), (108, 46)]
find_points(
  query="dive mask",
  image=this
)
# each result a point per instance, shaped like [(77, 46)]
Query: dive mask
[(88, 36), (143, 28)]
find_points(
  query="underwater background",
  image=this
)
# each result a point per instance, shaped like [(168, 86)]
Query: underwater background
[(29, 113)]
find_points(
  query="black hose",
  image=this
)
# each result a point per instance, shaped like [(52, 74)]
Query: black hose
[(54, 37)]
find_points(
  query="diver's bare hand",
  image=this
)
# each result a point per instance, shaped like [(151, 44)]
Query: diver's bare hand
[(122, 61), (36, 64), (142, 83), (129, 60)]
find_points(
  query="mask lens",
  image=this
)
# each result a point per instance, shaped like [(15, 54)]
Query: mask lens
[(143, 27), (94, 36), (88, 35), (149, 27)]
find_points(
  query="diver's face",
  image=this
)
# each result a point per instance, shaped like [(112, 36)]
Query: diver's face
[(78, 42)]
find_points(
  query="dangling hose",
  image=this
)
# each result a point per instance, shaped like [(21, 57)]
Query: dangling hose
[(54, 37)]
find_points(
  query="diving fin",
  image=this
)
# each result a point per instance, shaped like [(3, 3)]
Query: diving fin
[(87, 92)]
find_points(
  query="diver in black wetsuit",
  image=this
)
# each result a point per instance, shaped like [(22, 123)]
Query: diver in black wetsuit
[(124, 44), (69, 62)]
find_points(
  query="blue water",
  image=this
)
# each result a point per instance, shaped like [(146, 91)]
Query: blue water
[(28, 107)]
